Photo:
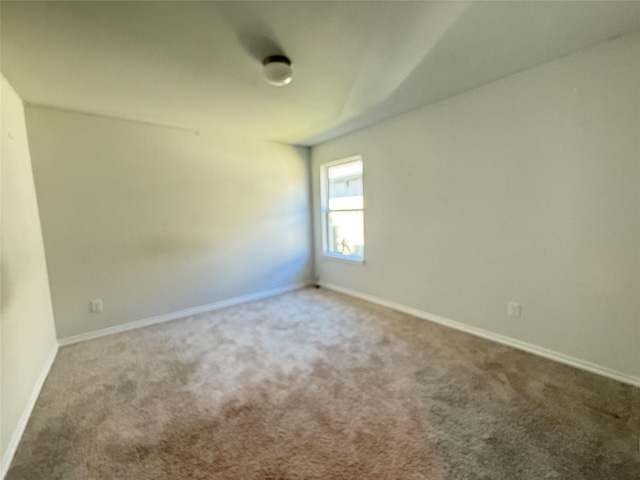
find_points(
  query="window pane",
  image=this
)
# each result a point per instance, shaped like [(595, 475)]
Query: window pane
[(345, 186), (346, 233), (346, 203), (345, 170)]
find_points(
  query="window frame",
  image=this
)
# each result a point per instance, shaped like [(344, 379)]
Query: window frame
[(324, 209)]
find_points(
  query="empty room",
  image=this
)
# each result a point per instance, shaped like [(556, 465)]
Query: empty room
[(320, 240)]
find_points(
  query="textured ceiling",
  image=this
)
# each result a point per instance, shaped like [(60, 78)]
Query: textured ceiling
[(198, 64)]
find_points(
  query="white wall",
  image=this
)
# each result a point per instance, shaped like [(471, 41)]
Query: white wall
[(27, 334), (155, 220), (526, 189)]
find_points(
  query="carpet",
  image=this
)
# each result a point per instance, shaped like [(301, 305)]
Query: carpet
[(317, 385)]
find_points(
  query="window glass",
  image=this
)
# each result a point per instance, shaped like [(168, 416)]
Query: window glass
[(343, 205)]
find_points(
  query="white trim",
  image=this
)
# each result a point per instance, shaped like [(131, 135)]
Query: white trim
[(182, 313), (495, 337), (7, 458), (333, 163), (353, 260)]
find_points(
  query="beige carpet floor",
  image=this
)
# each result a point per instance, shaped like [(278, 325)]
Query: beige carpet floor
[(316, 385)]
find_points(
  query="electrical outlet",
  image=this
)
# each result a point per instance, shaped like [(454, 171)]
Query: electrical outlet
[(513, 309), (95, 306)]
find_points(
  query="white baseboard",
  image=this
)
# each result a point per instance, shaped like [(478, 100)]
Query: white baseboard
[(7, 458), (495, 337), (182, 313)]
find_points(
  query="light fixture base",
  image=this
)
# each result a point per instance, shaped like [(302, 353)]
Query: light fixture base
[(278, 70)]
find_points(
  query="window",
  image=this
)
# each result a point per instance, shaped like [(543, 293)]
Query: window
[(342, 209)]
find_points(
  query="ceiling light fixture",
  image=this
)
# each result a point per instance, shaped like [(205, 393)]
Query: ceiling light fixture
[(277, 70)]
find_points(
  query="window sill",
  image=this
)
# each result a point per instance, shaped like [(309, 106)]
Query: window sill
[(343, 258)]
